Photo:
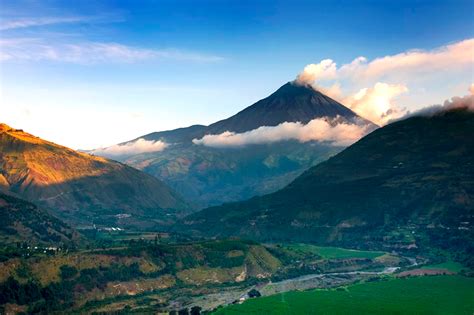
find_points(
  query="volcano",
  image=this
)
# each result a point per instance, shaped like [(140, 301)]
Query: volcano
[(292, 102), (210, 176)]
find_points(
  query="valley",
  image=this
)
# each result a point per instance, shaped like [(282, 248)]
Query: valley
[(365, 234), (296, 204), (150, 277), (212, 174)]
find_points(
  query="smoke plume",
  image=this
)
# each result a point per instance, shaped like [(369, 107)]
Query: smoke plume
[(326, 69), (377, 103)]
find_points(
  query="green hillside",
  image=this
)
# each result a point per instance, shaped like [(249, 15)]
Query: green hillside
[(22, 221), (407, 185)]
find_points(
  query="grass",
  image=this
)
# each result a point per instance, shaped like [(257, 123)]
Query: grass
[(449, 265), (334, 252), (421, 295)]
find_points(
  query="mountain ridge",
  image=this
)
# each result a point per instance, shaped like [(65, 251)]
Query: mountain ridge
[(214, 175), (406, 182), (77, 185)]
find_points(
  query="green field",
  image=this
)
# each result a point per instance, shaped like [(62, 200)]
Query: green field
[(449, 265), (421, 295), (334, 252)]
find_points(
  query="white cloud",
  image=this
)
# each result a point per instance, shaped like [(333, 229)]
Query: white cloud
[(334, 91), (377, 103), (410, 63), (40, 21), (375, 99), (319, 129), (326, 69), (464, 102), (33, 49), (135, 147)]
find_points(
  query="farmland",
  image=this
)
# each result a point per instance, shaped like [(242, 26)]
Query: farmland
[(420, 295), (334, 252)]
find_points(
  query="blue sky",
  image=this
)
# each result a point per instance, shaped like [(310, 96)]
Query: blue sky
[(93, 73)]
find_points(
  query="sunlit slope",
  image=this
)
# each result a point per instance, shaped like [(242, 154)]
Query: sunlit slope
[(76, 184)]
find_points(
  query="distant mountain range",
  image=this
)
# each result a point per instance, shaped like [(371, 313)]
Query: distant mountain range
[(405, 184), (81, 188), (212, 175)]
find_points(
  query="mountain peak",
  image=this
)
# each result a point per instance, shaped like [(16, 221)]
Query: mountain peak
[(292, 102), (293, 88)]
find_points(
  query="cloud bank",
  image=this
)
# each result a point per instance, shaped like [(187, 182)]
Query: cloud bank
[(377, 100), (465, 102), (319, 129), (136, 147), (406, 64), (410, 63), (34, 49)]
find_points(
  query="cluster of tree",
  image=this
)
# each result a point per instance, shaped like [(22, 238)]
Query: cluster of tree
[(254, 293), (195, 310), (39, 299), (60, 295)]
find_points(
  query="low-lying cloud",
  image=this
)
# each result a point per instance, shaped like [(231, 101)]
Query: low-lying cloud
[(465, 102), (135, 147), (322, 130)]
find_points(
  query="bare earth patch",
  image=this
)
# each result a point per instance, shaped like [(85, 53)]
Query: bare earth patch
[(425, 272)]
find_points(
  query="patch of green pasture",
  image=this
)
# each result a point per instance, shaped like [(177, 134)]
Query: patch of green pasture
[(335, 252), (418, 295)]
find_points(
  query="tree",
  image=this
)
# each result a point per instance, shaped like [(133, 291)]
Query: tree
[(196, 310), (184, 311), (254, 293), (68, 272)]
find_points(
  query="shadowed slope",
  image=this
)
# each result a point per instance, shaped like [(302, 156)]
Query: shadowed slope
[(23, 221), (411, 176)]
